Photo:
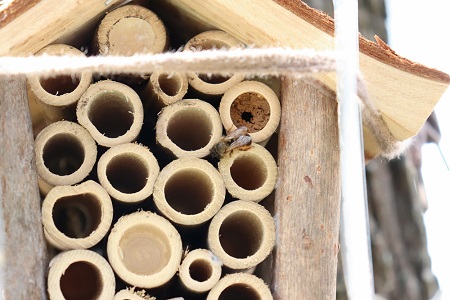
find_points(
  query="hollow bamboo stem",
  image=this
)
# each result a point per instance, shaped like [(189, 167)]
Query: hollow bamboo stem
[(65, 153), (241, 234), (128, 172), (240, 286), (112, 112), (80, 274), (144, 249), (189, 128), (132, 294), (189, 191)]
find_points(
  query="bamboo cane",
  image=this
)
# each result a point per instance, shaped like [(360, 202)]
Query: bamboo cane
[(132, 294), (65, 153), (240, 286)]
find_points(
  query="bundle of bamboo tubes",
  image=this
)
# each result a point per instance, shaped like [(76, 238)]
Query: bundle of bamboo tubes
[(158, 184)]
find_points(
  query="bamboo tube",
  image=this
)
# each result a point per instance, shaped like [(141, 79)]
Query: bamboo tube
[(128, 172), (77, 217), (200, 270), (189, 191), (249, 175), (80, 274), (241, 234), (254, 105), (65, 153), (240, 286), (144, 249), (132, 294), (212, 85), (57, 96), (189, 128), (112, 112)]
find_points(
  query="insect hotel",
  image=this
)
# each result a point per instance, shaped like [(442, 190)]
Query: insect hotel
[(185, 149)]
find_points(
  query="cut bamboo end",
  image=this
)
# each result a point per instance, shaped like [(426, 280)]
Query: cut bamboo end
[(200, 270), (128, 172), (249, 175), (241, 234), (215, 84), (189, 128), (57, 96), (189, 191), (65, 153), (77, 217), (129, 30), (80, 274), (112, 112), (131, 294), (240, 286), (144, 249), (254, 105)]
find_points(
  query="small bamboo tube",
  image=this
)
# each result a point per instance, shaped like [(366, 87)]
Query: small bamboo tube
[(249, 175), (131, 294), (77, 217), (254, 105), (129, 30), (240, 286), (112, 112), (144, 249), (65, 153), (128, 172), (214, 39), (200, 270), (189, 191), (189, 128), (80, 274), (241, 234), (57, 96)]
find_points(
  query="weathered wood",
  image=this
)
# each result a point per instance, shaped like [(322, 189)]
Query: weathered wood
[(307, 201), (22, 248)]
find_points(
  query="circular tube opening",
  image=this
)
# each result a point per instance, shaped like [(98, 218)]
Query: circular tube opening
[(239, 291), (81, 280), (111, 113), (241, 234), (59, 85), (249, 172), (200, 270), (145, 249), (170, 85), (63, 154), (251, 110), (190, 129), (189, 192), (77, 216), (208, 45), (127, 173)]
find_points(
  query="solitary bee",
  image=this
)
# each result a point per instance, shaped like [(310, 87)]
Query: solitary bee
[(235, 139)]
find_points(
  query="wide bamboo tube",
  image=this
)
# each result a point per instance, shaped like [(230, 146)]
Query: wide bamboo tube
[(254, 105), (128, 172), (241, 234), (80, 274), (240, 286), (57, 96), (65, 153), (212, 85), (77, 217), (189, 191), (249, 175), (200, 270), (144, 249), (112, 112), (189, 128)]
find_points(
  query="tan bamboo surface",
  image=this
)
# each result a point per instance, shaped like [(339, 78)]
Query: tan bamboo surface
[(254, 105), (242, 286), (250, 174), (76, 217), (144, 249), (189, 128), (112, 112), (80, 274), (128, 172), (65, 153), (241, 234), (132, 294), (189, 191)]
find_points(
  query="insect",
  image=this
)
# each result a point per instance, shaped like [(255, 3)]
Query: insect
[(235, 139)]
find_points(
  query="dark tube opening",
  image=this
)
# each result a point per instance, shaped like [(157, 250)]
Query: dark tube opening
[(63, 154), (200, 270), (81, 280), (239, 291), (127, 173), (208, 45), (170, 85), (59, 85), (249, 172)]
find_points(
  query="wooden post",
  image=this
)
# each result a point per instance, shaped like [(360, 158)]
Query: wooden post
[(22, 247), (308, 196)]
